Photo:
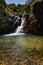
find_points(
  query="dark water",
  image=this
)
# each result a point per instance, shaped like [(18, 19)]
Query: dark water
[(21, 50)]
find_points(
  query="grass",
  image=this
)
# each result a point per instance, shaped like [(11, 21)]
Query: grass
[(21, 50)]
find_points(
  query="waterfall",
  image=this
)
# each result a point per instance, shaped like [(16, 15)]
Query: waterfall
[(19, 30)]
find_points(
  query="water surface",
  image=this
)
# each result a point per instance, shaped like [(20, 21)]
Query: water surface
[(21, 50)]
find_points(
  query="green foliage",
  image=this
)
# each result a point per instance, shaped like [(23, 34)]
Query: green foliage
[(7, 11), (32, 1), (28, 8), (11, 6), (18, 9), (5, 19), (34, 22)]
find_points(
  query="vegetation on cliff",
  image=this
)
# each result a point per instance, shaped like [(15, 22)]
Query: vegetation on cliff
[(33, 12), (5, 18), (34, 20)]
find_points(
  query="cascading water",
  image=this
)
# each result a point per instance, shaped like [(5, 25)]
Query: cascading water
[(19, 30)]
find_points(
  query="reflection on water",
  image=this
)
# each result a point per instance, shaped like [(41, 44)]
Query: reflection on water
[(21, 50)]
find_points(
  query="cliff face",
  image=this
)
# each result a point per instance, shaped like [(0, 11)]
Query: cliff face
[(34, 22), (6, 18)]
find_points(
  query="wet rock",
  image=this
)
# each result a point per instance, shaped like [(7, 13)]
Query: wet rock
[(17, 21)]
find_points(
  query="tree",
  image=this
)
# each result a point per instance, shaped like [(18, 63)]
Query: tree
[(11, 6), (31, 1)]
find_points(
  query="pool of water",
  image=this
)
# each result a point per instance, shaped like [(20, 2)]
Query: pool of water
[(21, 50)]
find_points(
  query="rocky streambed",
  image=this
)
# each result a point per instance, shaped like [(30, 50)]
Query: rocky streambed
[(21, 50)]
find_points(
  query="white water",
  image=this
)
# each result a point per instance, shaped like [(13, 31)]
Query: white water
[(19, 29)]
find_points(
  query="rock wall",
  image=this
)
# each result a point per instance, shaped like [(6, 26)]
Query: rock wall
[(34, 22)]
